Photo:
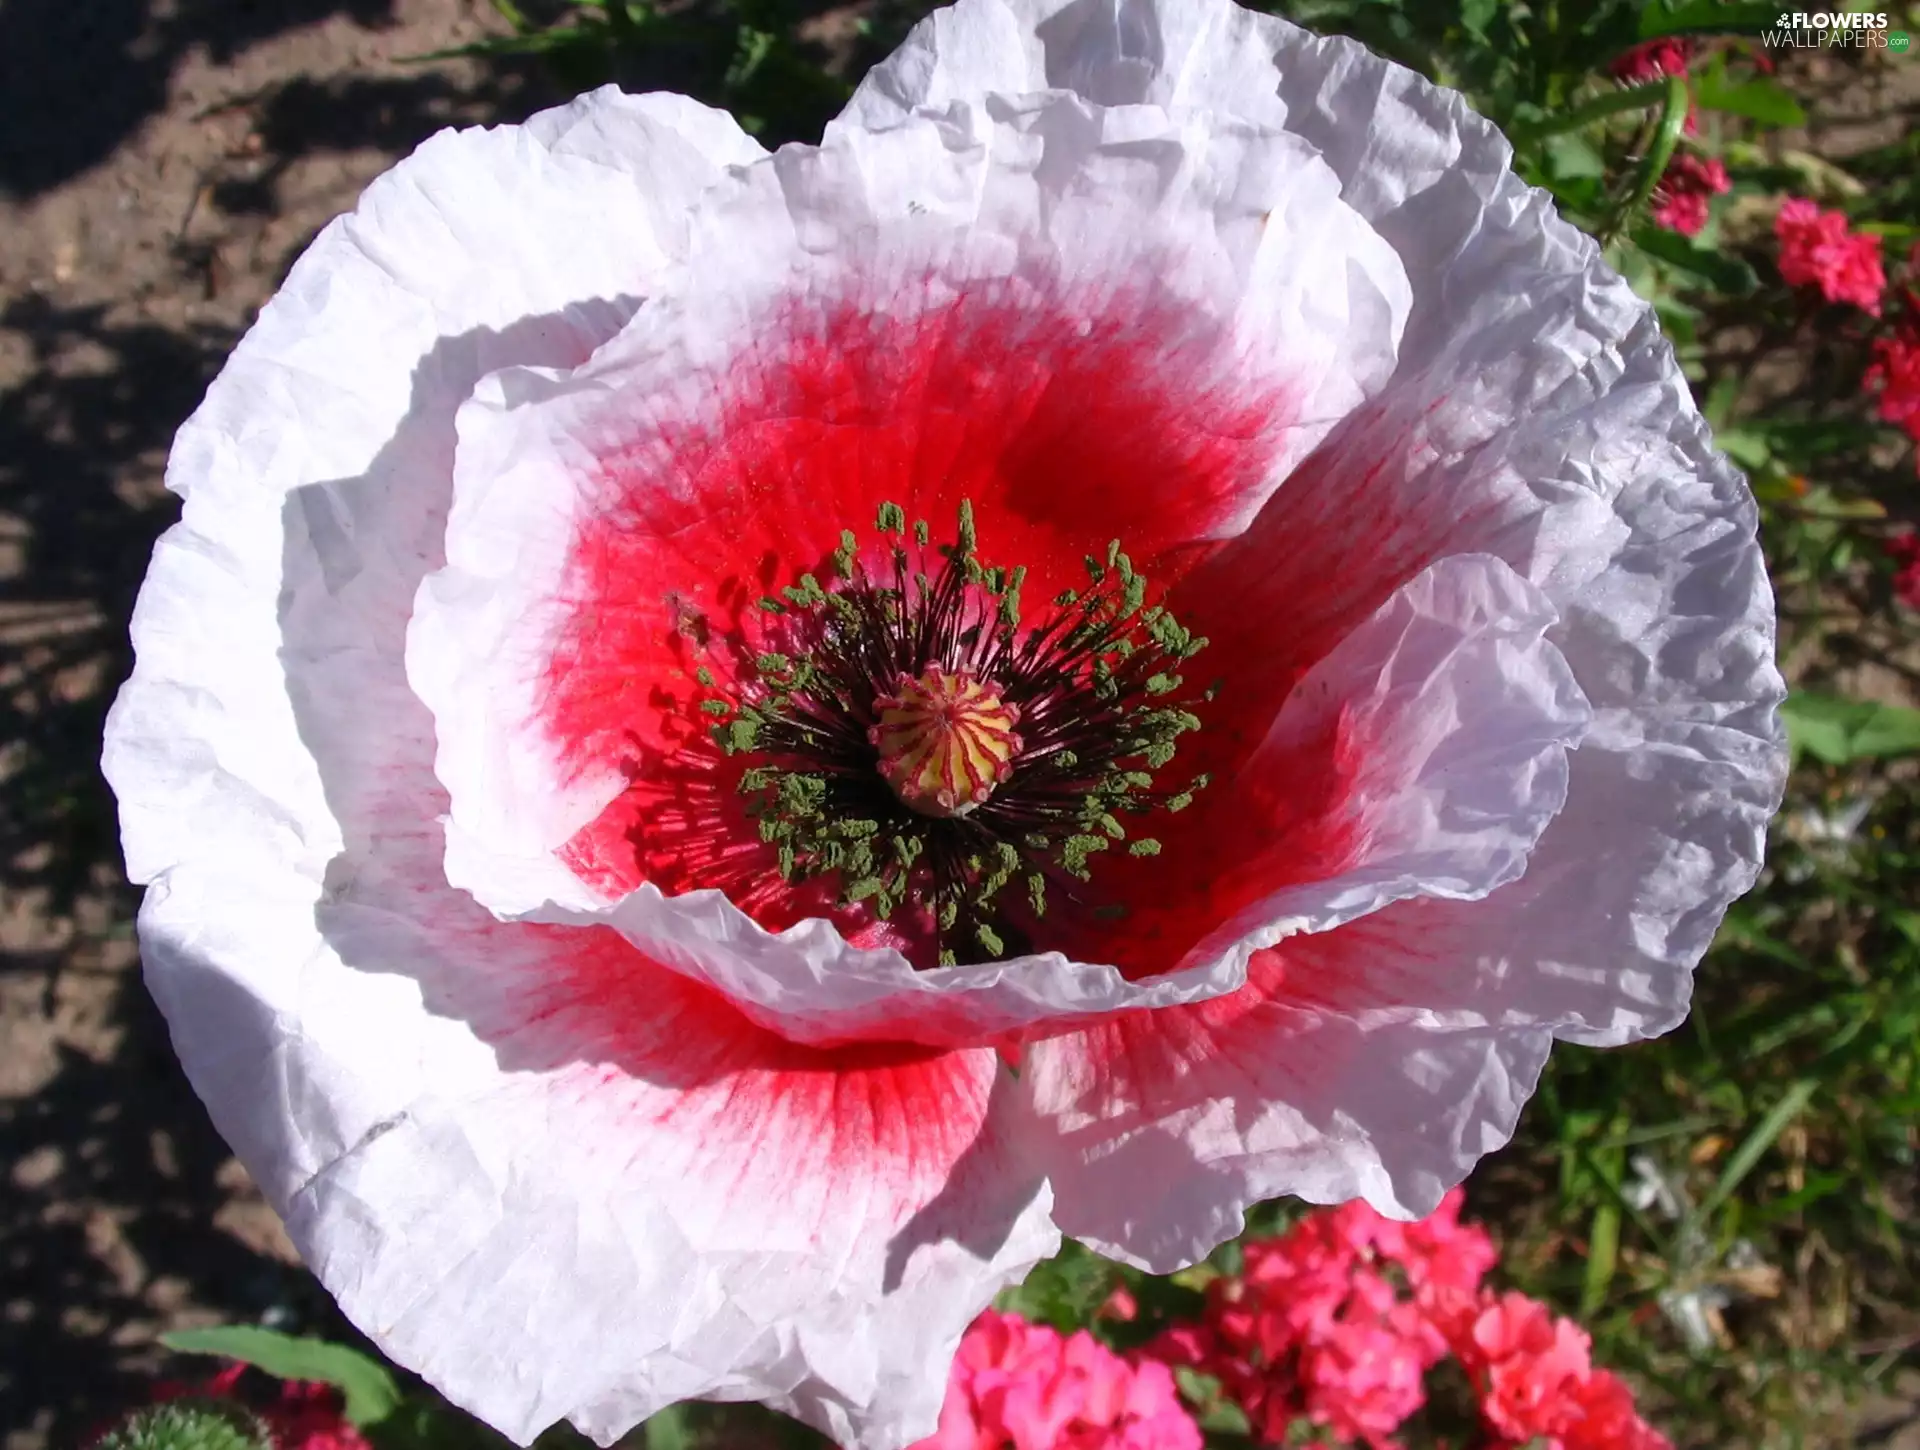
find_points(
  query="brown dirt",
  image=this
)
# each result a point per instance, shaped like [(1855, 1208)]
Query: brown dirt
[(161, 164)]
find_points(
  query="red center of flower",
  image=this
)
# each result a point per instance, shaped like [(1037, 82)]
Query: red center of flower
[(945, 741)]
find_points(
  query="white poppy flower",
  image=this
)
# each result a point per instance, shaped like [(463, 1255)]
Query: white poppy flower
[(649, 945)]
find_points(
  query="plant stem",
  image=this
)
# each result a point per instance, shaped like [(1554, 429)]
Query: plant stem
[(1673, 120), (1633, 98)]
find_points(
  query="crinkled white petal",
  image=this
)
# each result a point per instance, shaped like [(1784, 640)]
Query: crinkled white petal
[(545, 1212), (1168, 1130), (1535, 414), (552, 1203), (1241, 220), (1463, 714), (486, 248), (1046, 189)]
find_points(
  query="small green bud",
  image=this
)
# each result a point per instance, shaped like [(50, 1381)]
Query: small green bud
[(189, 1424)]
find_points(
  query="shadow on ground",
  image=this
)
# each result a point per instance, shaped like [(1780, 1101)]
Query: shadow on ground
[(119, 55), (121, 1213)]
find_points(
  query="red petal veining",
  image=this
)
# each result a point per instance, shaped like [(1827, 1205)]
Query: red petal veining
[(1065, 427), (873, 1129)]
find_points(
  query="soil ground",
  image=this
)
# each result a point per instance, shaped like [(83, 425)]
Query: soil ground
[(161, 164)]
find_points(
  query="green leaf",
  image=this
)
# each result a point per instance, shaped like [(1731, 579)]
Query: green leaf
[(1063, 1291), (1573, 157), (1603, 1252), (512, 14), (1477, 15), (1725, 274), (1834, 730), (1224, 1417), (1653, 164), (1760, 99), (1817, 1187), (1757, 1142), (1706, 16), (1536, 126), (1744, 446), (1718, 408), (368, 1385), (670, 1429), (1815, 439)]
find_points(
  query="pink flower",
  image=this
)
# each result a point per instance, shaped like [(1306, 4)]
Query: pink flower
[(1290, 1287), (1904, 549), (1336, 1322), (1652, 59), (1817, 249), (1896, 375), (1680, 200), (1439, 1252), (1120, 1305), (1608, 1419), (1529, 1367), (1362, 1379), (1021, 1384), (679, 663), (1536, 1380), (308, 1416), (1315, 1328)]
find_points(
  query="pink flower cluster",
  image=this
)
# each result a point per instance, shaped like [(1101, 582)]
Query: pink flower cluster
[(1537, 1382), (1029, 1387), (1896, 375), (300, 1416), (1904, 549), (1653, 59), (1649, 61), (1680, 200), (1337, 1322), (1330, 1328), (1818, 250)]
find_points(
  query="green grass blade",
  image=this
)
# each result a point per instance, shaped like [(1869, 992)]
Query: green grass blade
[(1603, 1254), (1749, 1153)]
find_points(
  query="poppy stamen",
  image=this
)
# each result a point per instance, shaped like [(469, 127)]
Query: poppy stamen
[(920, 742)]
